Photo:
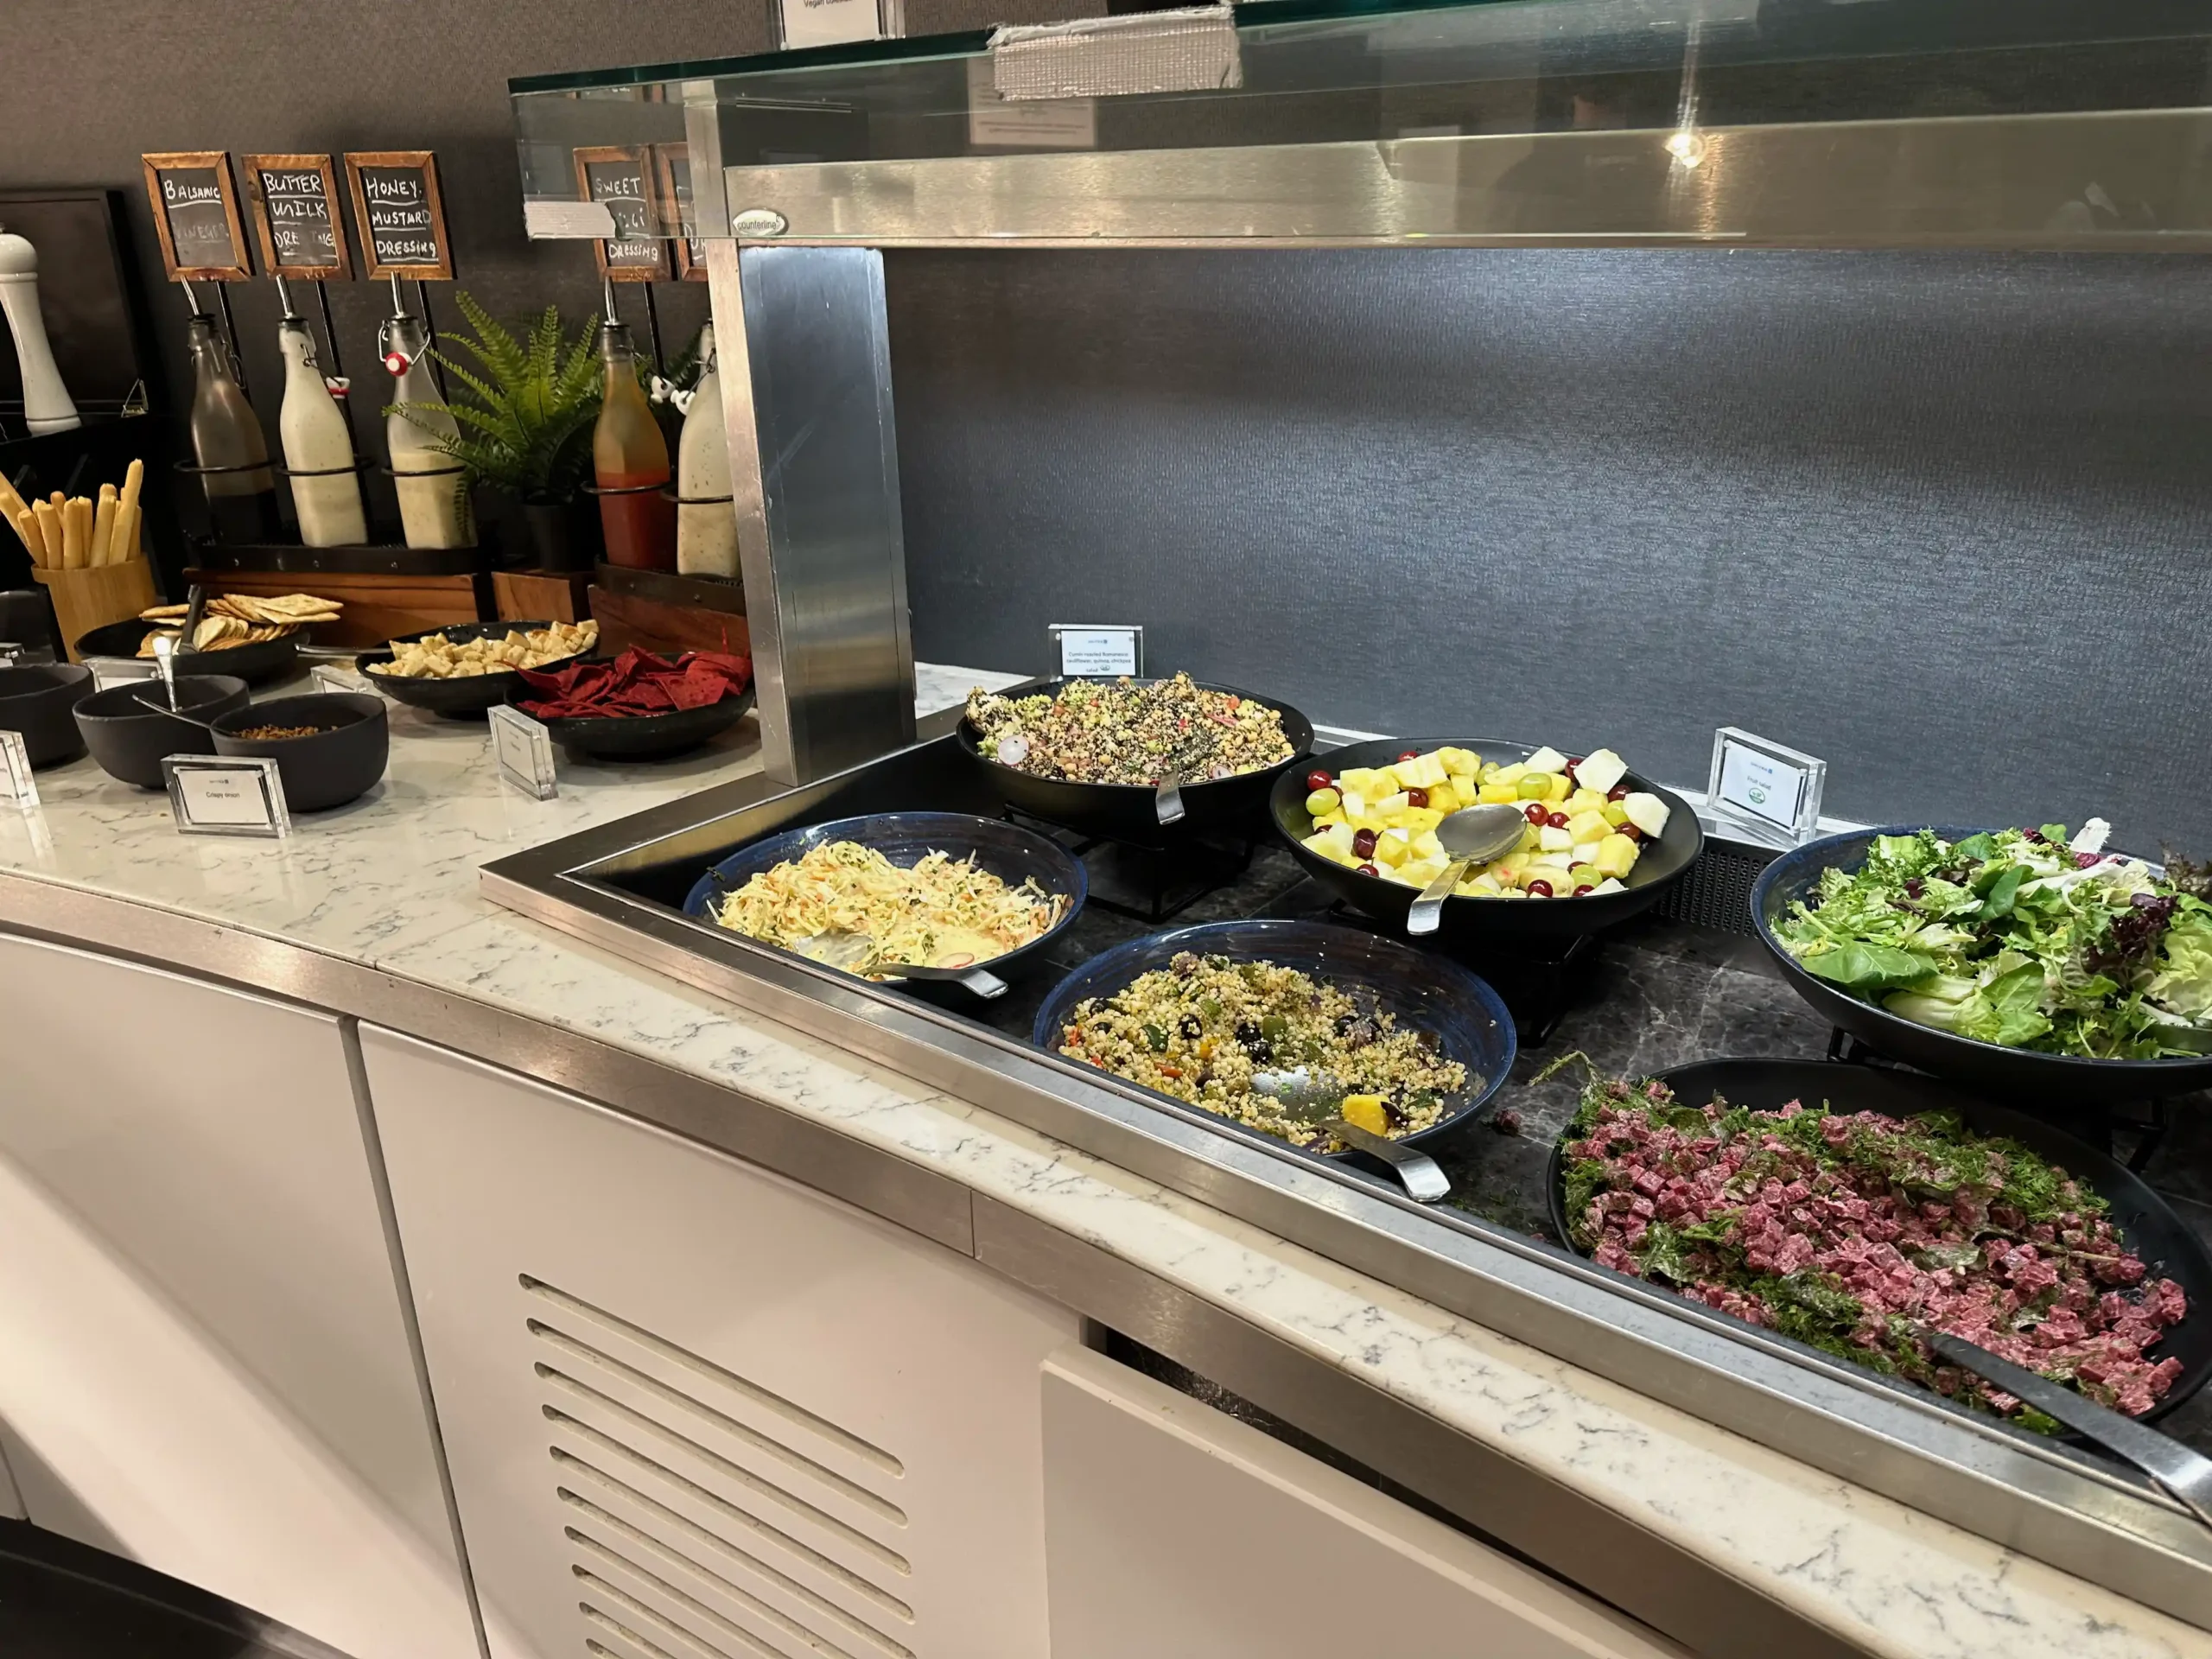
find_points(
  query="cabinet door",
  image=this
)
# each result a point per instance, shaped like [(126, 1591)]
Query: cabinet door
[(204, 1363), (1175, 1532), (695, 1409)]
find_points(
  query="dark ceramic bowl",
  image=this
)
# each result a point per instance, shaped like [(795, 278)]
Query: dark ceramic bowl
[(2146, 1221), (41, 702), (1128, 810), (459, 699), (648, 737), (256, 664), (1988, 1067), (1426, 992), (339, 762), (129, 732), (1469, 921), (1007, 850)]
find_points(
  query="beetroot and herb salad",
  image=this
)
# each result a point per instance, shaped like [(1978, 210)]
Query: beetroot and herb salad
[(1850, 1232)]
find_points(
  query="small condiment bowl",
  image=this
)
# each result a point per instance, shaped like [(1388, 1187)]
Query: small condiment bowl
[(129, 730), (339, 761)]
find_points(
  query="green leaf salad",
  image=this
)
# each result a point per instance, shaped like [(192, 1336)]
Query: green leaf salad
[(2023, 937)]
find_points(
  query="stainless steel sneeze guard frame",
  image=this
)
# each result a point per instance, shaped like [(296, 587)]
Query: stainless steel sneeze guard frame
[(2043, 1500)]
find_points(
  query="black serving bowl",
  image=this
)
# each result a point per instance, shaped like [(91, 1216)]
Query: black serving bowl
[(1426, 992), (128, 731), (2153, 1230), (341, 761), (648, 737), (1467, 920), (40, 701), (1007, 850), (256, 664), (459, 699), (1989, 1068), (1128, 811)]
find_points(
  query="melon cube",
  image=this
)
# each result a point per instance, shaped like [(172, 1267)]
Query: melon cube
[(1390, 804), (1545, 759), (1461, 763), (1422, 771), (1600, 770), (1554, 840), (1426, 845), (1647, 812)]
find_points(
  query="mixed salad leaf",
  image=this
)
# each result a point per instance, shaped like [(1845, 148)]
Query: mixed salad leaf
[(2026, 938)]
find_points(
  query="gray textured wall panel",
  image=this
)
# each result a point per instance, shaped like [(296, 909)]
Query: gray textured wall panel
[(1938, 518)]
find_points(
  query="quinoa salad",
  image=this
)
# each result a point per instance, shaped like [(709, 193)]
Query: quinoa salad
[(1853, 1232), (1122, 732), (1201, 1029)]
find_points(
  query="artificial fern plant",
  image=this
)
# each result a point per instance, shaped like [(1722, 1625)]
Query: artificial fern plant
[(533, 402)]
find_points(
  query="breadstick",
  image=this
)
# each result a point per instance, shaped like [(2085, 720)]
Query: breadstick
[(26, 523), (133, 477), (126, 534), (102, 528), (11, 503), (59, 500), (49, 527), (74, 533)]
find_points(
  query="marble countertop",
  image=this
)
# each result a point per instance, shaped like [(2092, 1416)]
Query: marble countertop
[(391, 882)]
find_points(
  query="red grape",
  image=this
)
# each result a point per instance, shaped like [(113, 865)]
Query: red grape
[(1369, 869), (1409, 754), (1318, 779), (1583, 888), (1363, 844), (1537, 813), (1539, 889), (1631, 831), (1416, 797), (1618, 793), (1556, 820)]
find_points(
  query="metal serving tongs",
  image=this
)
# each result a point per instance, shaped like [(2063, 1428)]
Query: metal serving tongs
[(857, 952), (165, 650), (1318, 1100), (2180, 1473)]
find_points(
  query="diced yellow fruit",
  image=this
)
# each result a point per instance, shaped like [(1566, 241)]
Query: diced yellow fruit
[(1601, 769), (1418, 818), (1420, 872), (1328, 818), (1586, 800), (1352, 803), (1426, 845), (1501, 795), (1365, 1112), (1588, 826), (1393, 847), (1616, 855), (1485, 885), (1511, 774), (1528, 841), (1444, 797), (1335, 841), (1393, 803), (1489, 771), (1616, 814), (1560, 788), (1361, 780), (1648, 813), (1422, 771), (1322, 801), (1511, 864), (1554, 840), (1461, 763)]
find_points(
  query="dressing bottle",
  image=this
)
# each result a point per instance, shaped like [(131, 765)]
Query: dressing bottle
[(629, 459), (318, 445), (706, 518), (433, 508), (227, 442)]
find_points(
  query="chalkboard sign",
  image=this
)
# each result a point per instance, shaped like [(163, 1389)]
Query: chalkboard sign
[(296, 214), (673, 164), (402, 216), (622, 179), (196, 215)]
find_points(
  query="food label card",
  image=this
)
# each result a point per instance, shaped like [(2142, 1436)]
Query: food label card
[(17, 787), (218, 795), (1093, 649), (1761, 786), (110, 671), (621, 179), (523, 750)]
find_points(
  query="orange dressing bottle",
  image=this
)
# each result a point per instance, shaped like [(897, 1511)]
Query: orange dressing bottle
[(627, 452)]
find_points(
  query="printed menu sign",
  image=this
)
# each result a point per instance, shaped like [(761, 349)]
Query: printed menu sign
[(295, 216), (673, 164), (196, 215), (622, 180), (402, 216)]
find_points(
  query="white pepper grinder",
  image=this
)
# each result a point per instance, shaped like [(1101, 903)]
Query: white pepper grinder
[(46, 407)]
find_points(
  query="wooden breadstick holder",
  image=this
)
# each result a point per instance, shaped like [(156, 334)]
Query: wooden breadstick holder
[(100, 593)]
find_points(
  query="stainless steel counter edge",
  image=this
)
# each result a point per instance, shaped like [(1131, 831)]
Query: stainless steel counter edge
[(942, 1209)]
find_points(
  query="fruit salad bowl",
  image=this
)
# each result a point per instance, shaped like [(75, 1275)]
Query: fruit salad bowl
[(1660, 859)]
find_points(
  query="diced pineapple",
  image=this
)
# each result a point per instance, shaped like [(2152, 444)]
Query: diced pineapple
[(1361, 780), (1365, 1112), (1328, 818), (1445, 798), (1511, 864), (1420, 818), (1335, 842), (1546, 760), (1390, 804), (1352, 804), (1321, 801), (1497, 794), (1528, 841), (1426, 845), (1560, 789), (1545, 863), (1600, 770), (1588, 826), (1648, 813), (1393, 847), (1616, 855), (1422, 771), (1554, 840), (1511, 774), (1461, 763), (1586, 800), (1420, 872), (1484, 886)]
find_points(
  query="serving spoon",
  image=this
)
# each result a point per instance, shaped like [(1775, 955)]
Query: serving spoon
[(1318, 1101), (1473, 835), (850, 951)]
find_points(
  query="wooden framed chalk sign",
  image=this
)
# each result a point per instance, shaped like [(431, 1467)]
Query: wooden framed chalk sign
[(620, 177), (296, 217), (196, 215), (402, 216)]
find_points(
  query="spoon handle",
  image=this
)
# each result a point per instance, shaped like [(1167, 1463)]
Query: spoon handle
[(2182, 1474), (1427, 911), (1168, 805), (983, 984), (1423, 1179)]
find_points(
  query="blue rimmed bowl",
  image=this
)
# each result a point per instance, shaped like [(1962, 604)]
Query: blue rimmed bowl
[(1007, 850), (1425, 992)]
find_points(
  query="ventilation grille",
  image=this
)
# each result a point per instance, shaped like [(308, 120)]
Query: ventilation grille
[(1717, 893), (707, 1518)]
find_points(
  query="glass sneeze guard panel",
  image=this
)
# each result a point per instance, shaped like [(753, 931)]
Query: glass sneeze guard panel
[(2055, 123)]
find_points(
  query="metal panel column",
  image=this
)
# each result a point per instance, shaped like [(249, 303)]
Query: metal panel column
[(805, 357)]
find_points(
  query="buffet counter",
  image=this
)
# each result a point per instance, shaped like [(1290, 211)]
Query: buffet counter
[(372, 914)]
